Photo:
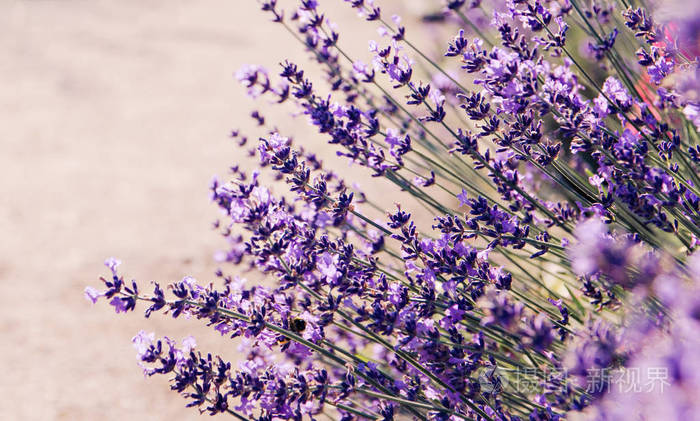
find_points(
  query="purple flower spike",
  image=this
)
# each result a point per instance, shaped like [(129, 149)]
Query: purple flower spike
[(565, 253)]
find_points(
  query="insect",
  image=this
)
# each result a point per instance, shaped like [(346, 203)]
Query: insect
[(433, 17), (296, 325)]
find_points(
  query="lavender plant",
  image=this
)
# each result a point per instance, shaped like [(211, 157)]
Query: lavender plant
[(541, 264)]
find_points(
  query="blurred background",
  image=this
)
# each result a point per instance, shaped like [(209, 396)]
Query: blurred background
[(116, 115)]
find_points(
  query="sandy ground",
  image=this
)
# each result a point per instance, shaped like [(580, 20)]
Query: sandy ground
[(115, 118)]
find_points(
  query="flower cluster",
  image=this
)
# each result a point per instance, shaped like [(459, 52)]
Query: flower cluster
[(549, 155)]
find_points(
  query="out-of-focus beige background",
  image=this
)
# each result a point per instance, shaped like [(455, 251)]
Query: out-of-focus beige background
[(115, 116)]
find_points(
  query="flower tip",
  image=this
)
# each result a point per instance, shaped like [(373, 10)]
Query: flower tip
[(188, 344), (142, 341), (91, 294), (113, 263)]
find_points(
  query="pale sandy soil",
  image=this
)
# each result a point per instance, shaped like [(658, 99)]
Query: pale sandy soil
[(115, 118)]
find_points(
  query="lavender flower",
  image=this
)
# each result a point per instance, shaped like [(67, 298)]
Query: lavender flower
[(540, 223), (91, 294)]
